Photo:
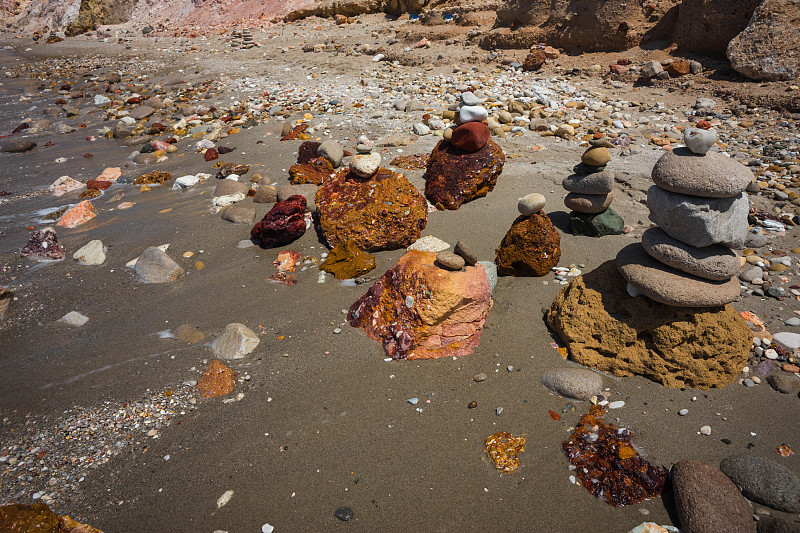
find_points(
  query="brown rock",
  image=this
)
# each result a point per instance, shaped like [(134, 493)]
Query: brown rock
[(455, 177), (604, 328), (266, 194), (307, 152), (705, 27), (419, 311), (588, 203), (530, 248), (316, 171), (768, 524), (346, 261), (6, 297), (535, 60), (38, 518), (679, 67), (707, 501), (189, 334), (217, 380), (470, 137), (383, 212)]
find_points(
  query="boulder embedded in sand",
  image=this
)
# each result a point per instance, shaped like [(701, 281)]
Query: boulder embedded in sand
[(81, 213), (155, 266), (284, 223), (605, 328), (420, 311), (530, 248), (456, 177), (383, 212), (235, 342)]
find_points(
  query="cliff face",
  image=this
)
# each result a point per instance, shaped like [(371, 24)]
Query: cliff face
[(93, 13)]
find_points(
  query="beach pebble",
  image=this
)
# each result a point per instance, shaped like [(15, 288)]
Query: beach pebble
[(332, 151), (155, 266), (235, 342), (764, 481), (475, 113), (491, 272), (365, 165), (616, 405), (784, 382), (92, 253), (469, 256), (74, 319), (705, 430), (574, 383), (479, 377), (531, 203), (267, 528), (699, 141), (344, 514), (469, 99), (450, 261), (683, 412)]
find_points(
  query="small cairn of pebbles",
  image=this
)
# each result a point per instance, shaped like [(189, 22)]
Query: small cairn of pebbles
[(242, 39)]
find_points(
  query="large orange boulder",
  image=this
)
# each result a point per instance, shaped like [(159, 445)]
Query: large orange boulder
[(456, 177), (382, 212), (420, 311), (530, 248)]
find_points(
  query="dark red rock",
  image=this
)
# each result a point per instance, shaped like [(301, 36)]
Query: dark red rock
[(618, 69), (211, 155), (100, 185), (471, 137), (307, 152), (316, 171), (284, 223), (456, 177)]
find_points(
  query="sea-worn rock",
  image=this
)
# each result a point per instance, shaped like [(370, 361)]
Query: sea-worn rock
[(770, 524), (530, 248), (366, 165), (596, 225), (38, 518), (239, 213), (595, 183), (307, 151), (449, 260), (266, 194), (64, 185), (316, 171), (698, 140), (217, 380), (235, 342), (74, 319), (347, 261), (712, 175), (332, 151), (419, 311), (700, 221), (43, 245), (228, 187), (764, 481), (768, 48), (284, 223), (605, 329), (190, 334), (596, 156), (155, 266), (306, 190), (383, 212), (81, 213), (670, 286), (463, 250), (573, 383), (535, 60), (17, 146), (588, 203), (784, 382), (714, 262), (470, 136), (455, 177), (707, 501), (472, 113), (531, 203), (92, 253)]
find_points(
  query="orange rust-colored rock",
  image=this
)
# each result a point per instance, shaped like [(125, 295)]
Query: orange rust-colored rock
[(503, 449), (38, 518), (346, 261), (530, 248), (605, 328), (383, 212), (153, 177), (420, 311), (217, 380), (456, 177), (411, 162), (679, 67), (535, 60), (76, 216), (315, 171)]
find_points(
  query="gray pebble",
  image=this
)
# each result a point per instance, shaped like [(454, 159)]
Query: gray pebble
[(450, 261)]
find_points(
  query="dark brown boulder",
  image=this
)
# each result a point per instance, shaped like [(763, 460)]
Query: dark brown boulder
[(535, 60), (471, 137), (456, 177), (307, 152), (530, 248)]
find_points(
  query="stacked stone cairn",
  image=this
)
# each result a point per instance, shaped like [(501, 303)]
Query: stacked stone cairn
[(699, 204), (591, 190), (242, 39)]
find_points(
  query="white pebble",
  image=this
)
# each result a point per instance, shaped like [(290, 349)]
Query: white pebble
[(616, 405), (683, 412), (705, 430)]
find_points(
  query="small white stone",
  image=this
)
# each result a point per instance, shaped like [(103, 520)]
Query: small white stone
[(365, 165), (683, 412), (705, 430), (266, 528), (74, 318), (771, 354), (699, 140), (531, 203), (473, 113), (616, 405)]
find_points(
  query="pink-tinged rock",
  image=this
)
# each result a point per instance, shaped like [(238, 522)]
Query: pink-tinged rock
[(287, 260), (618, 69), (420, 311), (43, 246), (65, 184), (126, 205), (83, 212), (161, 145), (110, 174)]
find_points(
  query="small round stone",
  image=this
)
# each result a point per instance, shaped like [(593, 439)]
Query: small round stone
[(596, 157), (699, 141), (450, 261), (345, 514), (479, 377), (531, 203)]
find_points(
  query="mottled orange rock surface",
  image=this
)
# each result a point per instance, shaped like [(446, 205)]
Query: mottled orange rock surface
[(530, 248), (456, 177), (217, 380), (315, 171), (346, 261)]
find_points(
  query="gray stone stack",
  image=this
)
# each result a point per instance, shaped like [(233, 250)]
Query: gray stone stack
[(699, 204), (236, 38), (242, 39), (247, 39)]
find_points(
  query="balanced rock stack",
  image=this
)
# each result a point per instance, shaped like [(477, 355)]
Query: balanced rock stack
[(699, 204), (591, 190), (533, 245), (465, 167)]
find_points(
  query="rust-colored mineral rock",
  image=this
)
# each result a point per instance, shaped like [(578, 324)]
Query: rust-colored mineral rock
[(153, 177), (411, 162), (383, 212), (503, 449), (346, 261), (217, 380), (38, 518), (315, 171), (530, 248), (455, 177)]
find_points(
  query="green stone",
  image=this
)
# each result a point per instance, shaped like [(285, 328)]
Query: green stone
[(596, 225)]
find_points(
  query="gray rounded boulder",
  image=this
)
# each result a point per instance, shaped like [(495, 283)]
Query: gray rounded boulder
[(764, 481), (573, 383), (595, 183), (710, 175), (715, 262)]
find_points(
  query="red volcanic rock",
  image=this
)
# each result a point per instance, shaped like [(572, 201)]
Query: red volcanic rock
[(211, 155), (530, 248), (283, 223), (420, 311), (307, 152), (316, 171), (382, 212), (455, 177), (471, 137), (100, 185)]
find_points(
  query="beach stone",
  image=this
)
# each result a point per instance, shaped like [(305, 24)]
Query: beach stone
[(332, 151), (75, 216), (472, 113), (228, 187), (145, 159), (266, 194), (535, 60), (306, 190), (784, 382), (669, 286), (651, 69), (764, 481), (707, 501), (531, 247), (715, 262), (596, 156), (468, 98), (217, 380), (698, 140), (531, 203), (17, 146), (284, 223), (770, 524), (455, 177), (155, 266), (6, 299), (239, 213), (384, 212), (595, 183), (43, 245), (235, 342), (605, 329), (141, 112), (700, 221), (751, 274), (347, 261), (74, 319), (64, 185), (365, 166), (469, 256), (419, 311), (91, 253), (573, 383), (189, 334), (470, 136), (449, 261), (307, 151), (596, 225), (491, 273), (788, 339), (712, 175), (588, 203), (315, 172)]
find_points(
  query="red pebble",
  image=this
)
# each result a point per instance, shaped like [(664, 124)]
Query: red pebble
[(211, 155), (471, 136)]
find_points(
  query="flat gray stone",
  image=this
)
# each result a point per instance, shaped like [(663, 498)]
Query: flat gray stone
[(595, 183), (710, 175), (700, 221), (669, 286), (92, 253), (240, 213), (588, 203), (155, 266), (573, 383), (142, 112), (751, 274), (74, 319), (715, 262), (266, 194), (764, 481)]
